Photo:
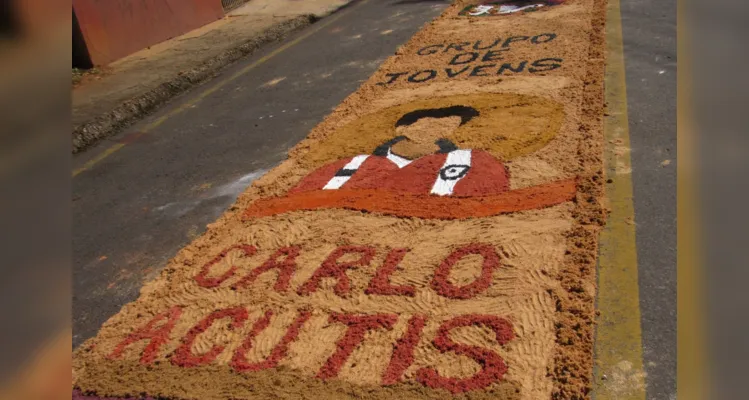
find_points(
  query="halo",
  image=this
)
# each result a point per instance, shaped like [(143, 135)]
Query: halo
[(508, 126)]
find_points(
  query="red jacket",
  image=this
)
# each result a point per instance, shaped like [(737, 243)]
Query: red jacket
[(461, 173)]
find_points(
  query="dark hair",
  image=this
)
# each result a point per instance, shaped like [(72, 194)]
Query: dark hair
[(465, 113)]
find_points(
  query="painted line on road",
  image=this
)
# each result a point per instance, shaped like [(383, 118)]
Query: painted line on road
[(153, 125), (618, 367)]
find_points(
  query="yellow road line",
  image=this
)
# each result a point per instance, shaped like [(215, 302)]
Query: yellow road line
[(618, 368), (153, 125)]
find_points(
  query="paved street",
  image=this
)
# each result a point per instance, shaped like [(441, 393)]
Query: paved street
[(649, 30), (135, 208)]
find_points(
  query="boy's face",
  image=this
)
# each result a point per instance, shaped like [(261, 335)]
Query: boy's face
[(422, 134), (507, 126)]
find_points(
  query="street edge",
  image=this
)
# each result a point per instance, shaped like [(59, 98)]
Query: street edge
[(212, 88), (130, 111), (618, 368)]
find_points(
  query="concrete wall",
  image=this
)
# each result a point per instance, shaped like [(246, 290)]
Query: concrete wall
[(113, 29)]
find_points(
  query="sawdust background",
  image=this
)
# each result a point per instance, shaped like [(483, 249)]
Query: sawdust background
[(578, 86), (166, 380), (531, 249), (569, 22)]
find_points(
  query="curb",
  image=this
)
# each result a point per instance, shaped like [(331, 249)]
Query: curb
[(128, 112)]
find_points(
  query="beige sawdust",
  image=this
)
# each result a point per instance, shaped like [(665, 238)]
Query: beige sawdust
[(466, 270), (218, 382), (422, 136), (518, 292), (531, 171)]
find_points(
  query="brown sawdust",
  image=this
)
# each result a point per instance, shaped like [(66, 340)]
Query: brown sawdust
[(518, 291), (281, 383), (421, 206), (573, 361)]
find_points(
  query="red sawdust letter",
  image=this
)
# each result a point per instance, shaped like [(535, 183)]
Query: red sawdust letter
[(380, 283), (155, 336), (441, 282), (239, 360), (403, 352), (202, 278), (492, 365), (183, 356), (358, 325), (331, 268), (285, 267)]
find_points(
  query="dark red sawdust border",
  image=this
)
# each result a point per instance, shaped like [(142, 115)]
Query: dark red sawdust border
[(572, 368), (418, 205), (78, 395)]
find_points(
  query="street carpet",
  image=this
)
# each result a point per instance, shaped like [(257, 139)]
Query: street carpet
[(434, 236)]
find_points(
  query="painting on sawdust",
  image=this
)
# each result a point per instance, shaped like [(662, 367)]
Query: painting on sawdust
[(437, 158)]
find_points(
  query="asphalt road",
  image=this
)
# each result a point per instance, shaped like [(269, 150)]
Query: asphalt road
[(649, 29), (133, 210)]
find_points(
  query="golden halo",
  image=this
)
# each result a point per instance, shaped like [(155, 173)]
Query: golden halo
[(508, 126)]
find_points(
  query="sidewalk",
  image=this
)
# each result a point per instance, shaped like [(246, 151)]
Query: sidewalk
[(137, 84)]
